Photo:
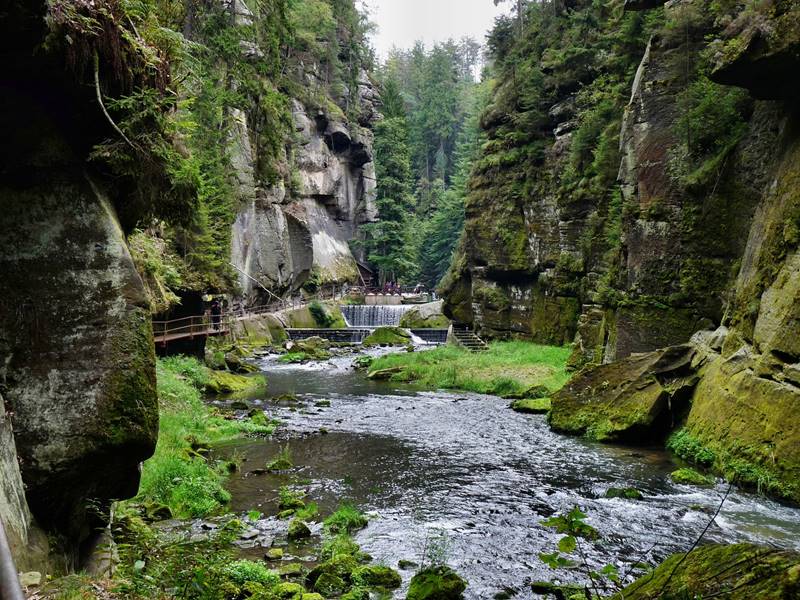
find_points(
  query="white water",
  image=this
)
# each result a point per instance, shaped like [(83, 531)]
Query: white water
[(361, 315)]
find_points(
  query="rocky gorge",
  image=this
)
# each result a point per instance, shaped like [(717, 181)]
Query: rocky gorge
[(629, 251)]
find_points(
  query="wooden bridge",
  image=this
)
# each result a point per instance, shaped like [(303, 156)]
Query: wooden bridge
[(189, 328)]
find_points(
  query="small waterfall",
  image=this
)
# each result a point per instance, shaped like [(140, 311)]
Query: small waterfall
[(360, 315)]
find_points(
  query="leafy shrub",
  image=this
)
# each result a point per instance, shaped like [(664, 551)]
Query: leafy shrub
[(244, 571)]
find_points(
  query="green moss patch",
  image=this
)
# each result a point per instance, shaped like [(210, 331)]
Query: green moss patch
[(535, 406), (691, 477)]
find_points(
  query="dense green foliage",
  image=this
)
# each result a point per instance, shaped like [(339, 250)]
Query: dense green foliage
[(176, 79), (506, 369), (424, 150)]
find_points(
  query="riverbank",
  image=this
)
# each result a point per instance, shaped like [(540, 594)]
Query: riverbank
[(506, 369)]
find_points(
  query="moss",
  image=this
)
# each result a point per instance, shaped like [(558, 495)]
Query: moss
[(690, 477), (536, 406), (436, 583), (388, 336), (223, 382), (298, 530), (736, 572), (627, 493), (377, 576), (737, 427)]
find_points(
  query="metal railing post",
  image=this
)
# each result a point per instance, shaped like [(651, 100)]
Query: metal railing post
[(10, 588)]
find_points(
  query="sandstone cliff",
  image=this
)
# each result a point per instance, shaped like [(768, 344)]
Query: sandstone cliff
[(77, 372), (697, 231)]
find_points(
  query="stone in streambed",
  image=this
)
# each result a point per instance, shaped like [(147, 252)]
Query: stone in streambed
[(330, 585), (384, 374), (377, 576), (274, 554), (627, 493), (298, 530), (436, 583), (690, 477), (289, 591)]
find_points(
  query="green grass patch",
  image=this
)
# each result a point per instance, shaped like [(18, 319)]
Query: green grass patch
[(346, 519), (178, 475), (506, 369)]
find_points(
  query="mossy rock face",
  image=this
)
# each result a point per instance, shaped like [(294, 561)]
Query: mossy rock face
[(377, 576), (631, 400), (690, 477), (627, 493), (78, 352), (388, 336), (535, 406), (742, 423), (298, 530), (436, 583), (735, 572)]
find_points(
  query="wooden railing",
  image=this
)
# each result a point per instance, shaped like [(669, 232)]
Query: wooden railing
[(191, 327)]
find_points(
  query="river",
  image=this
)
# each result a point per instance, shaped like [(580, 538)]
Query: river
[(463, 468)]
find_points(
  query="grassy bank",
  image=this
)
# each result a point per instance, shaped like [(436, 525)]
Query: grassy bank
[(179, 476), (506, 369)]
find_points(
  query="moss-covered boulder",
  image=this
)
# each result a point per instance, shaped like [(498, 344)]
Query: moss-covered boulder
[(535, 406), (735, 572), (690, 477), (377, 576), (633, 400), (223, 382), (626, 493), (388, 336), (298, 530), (436, 583), (425, 316), (289, 591), (312, 348), (330, 585), (340, 566)]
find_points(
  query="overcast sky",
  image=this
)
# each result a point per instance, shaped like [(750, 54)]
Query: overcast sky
[(402, 22)]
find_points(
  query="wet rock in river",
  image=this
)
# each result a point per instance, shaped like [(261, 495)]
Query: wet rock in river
[(627, 493), (377, 576), (298, 530), (436, 583), (690, 477)]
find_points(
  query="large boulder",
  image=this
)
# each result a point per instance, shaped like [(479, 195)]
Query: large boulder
[(425, 316), (637, 399), (436, 583), (76, 349)]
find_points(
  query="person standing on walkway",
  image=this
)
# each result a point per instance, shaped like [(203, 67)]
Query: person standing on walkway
[(216, 314)]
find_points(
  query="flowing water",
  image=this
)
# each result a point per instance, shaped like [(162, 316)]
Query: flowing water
[(464, 468), (361, 315)]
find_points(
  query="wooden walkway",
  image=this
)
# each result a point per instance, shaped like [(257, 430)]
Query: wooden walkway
[(187, 328)]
